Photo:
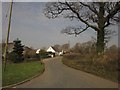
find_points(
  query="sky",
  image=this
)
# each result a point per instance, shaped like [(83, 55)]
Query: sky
[(34, 29)]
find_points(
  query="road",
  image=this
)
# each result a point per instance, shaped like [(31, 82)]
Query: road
[(57, 75)]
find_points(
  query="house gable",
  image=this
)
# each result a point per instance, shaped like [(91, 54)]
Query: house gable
[(50, 49)]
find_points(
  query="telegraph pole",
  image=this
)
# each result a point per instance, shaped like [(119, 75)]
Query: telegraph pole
[(7, 37)]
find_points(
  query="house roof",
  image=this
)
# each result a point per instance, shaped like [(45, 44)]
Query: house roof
[(51, 49), (56, 49)]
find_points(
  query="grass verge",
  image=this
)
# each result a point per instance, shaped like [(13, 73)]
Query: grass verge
[(21, 71), (106, 69)]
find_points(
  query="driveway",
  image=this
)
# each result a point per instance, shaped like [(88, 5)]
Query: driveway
[(57, 75)]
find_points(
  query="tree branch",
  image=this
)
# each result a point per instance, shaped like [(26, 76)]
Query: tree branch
[(93, 10), (94, 27), (72, 30), (112, 13), (83, 30)]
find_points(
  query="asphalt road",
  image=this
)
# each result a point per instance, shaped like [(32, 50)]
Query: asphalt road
[(57, 75)]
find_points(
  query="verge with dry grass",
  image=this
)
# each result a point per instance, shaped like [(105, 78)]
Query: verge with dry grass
[(100, 65)]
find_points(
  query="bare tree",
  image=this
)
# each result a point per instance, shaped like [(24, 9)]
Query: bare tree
[(77, 48), (65, 47), (57, 47), (95, 15)]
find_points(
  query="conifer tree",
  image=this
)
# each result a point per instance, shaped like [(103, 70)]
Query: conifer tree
[(18, 51)]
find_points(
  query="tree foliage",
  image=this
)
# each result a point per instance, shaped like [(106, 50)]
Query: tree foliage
[(17, 51), (65, 47), (95, 15)]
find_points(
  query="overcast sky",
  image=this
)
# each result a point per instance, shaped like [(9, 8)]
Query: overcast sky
[(30, 25)]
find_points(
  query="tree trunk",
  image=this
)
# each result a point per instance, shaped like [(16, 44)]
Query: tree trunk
[(100, 41), (101, 32)]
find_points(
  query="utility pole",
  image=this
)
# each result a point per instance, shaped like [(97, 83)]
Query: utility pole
[(7, 37)]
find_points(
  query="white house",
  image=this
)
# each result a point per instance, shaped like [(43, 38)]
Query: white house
[(37, 52), (54, 51), (61, 53), (51, 49)]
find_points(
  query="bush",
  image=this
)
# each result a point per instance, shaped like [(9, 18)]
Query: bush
[(43, 54), (14, 57), (29, 54), (72, 56)]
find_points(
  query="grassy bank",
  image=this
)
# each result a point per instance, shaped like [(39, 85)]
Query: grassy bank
[(95, 65), (17, 72)]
